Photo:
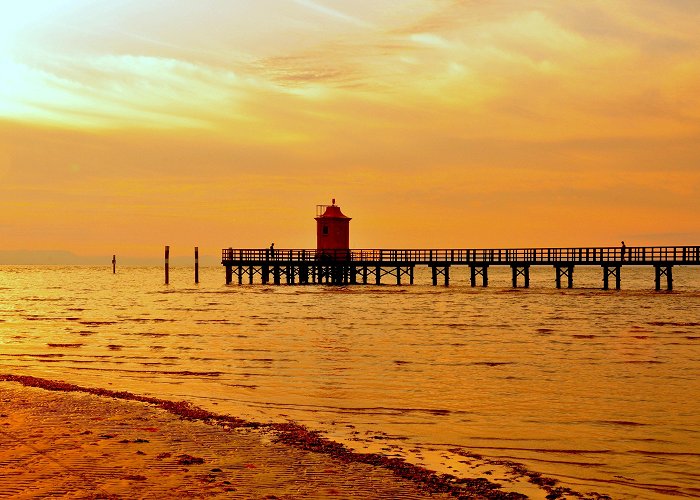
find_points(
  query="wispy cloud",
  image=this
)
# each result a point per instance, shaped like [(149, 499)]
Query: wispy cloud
[(336, 14)]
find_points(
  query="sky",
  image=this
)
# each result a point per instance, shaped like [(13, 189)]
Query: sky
[(128, 125)]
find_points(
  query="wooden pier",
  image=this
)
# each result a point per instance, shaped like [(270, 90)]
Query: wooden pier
[(351, 267)]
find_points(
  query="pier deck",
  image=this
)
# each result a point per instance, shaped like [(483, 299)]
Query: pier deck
[(365, 266)]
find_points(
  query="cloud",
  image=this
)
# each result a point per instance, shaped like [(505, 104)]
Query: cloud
[(333, 13), (478, 110)]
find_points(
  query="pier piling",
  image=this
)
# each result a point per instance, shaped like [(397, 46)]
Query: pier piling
[(663, 270), (521, 270), (479, 270), (611, 270), (567, 271)]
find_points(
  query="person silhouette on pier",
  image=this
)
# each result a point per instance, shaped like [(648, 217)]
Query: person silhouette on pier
[(272, 250), (622, 250)]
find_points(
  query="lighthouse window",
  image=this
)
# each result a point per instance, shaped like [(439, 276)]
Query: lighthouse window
[(325, 229)]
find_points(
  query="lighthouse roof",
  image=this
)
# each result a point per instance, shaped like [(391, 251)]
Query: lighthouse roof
[(332, 212)]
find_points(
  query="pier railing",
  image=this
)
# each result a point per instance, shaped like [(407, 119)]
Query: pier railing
[(574, 255)]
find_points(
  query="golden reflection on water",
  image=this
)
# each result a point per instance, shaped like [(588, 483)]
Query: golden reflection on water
[(598, 389)]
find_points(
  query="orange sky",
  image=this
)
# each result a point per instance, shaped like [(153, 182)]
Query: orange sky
[(125, 126)]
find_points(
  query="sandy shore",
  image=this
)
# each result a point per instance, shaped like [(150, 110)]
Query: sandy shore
[(58, 439), (86, 446)]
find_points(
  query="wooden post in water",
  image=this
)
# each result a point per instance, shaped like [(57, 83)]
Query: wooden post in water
[(114, 264), (167, 264), (196, 265)]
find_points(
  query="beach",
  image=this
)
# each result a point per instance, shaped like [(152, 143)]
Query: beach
[(62, 440)]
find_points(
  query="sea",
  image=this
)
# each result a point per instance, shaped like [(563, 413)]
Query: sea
[(597, 389)]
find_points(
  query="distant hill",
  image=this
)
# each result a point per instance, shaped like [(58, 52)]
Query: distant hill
[(66, 258)]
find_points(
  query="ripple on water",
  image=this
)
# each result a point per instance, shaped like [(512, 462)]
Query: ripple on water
[(673, 323)]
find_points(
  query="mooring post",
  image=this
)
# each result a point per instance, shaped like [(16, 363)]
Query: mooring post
[(196, 265), (114, 264), (167, 264)]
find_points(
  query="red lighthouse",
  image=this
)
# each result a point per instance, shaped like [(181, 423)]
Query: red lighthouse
[(332, 229)]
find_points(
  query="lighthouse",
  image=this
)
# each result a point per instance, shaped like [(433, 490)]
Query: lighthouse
[(332, 229)]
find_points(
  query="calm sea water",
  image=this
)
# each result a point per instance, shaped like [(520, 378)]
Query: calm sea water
[(600, 390)]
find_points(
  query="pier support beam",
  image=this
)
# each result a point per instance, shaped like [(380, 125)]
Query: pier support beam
[(276, 275), (565, 271), (479, 270), (441, 271), (404, 270), (229, 274), (521, 270), (663, 270), (611, 270)]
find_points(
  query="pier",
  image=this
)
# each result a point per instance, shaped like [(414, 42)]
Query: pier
[(363, 267)]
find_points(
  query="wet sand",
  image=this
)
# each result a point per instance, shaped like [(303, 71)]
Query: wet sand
[(58, 439)]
